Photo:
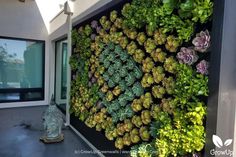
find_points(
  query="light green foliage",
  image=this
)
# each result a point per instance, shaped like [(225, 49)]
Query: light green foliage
[(194, 84), (160, 13)]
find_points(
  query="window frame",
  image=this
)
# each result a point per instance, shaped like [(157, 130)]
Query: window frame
[(27, 90)]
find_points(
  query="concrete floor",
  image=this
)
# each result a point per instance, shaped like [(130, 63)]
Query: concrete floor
[(20, 130)]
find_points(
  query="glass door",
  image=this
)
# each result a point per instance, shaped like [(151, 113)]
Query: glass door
[(61, 71)]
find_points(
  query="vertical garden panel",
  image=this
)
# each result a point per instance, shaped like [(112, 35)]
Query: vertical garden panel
[(140, 77)]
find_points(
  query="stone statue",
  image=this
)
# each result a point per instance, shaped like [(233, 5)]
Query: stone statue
[(52, 122)]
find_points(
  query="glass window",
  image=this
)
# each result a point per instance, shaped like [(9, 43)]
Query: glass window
[(21, 70)]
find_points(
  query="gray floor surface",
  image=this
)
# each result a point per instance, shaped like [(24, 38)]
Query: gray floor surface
[(20, 130)]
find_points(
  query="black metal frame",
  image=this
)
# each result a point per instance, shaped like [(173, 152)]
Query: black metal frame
[(27, 90)]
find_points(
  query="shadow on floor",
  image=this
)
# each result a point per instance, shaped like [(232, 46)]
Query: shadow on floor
[(20, 130)]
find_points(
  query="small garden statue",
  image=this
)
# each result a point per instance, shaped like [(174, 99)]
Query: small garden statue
[(52, 121)]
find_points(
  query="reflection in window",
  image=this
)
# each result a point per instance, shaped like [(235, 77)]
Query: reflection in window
[(21, 67)]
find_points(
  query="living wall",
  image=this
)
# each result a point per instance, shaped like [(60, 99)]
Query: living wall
[(140, 75)]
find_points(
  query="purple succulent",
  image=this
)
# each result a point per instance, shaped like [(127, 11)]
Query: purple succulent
[(202, 41), (98, 29), (94, 24), (196, 155), (93, 79), (202, 67), (93, 36), (187, 56)]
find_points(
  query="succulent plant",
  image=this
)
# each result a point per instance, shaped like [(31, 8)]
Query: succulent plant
[(94, 24), (131, 33), (116, 78), (137, 72), (130, 79), (123, 42), (98, 29), (158, 91), (131, 47), (158, 74), (111, 70), (111, 83), (148, 64), (116, 91), (167, 105), (146, 117), (160, 37), (134, 136), (172, 43), (130, 64), (119, 143), (137, 121), (113, 16), (137, 89), (136, 105), (147, 80), (109, 96), (138, 55), (202, 67), (113, 29), (169, 84), (122, 100), (141, 38), (187, 56), (93, 36), (117, 64), (129, 94), (106, 76), (149, 45), (158, 55), (122, 85), (202, 41), (123, 71), (144, 133), (118, 22), (147, 100), (170, 64)]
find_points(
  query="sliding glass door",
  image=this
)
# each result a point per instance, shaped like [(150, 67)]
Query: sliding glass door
[(61, 71)]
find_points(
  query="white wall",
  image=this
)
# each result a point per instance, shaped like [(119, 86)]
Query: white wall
[(59, 27), (23, 20)]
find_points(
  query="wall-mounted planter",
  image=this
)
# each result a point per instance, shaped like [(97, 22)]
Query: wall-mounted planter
[(143, 82)]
